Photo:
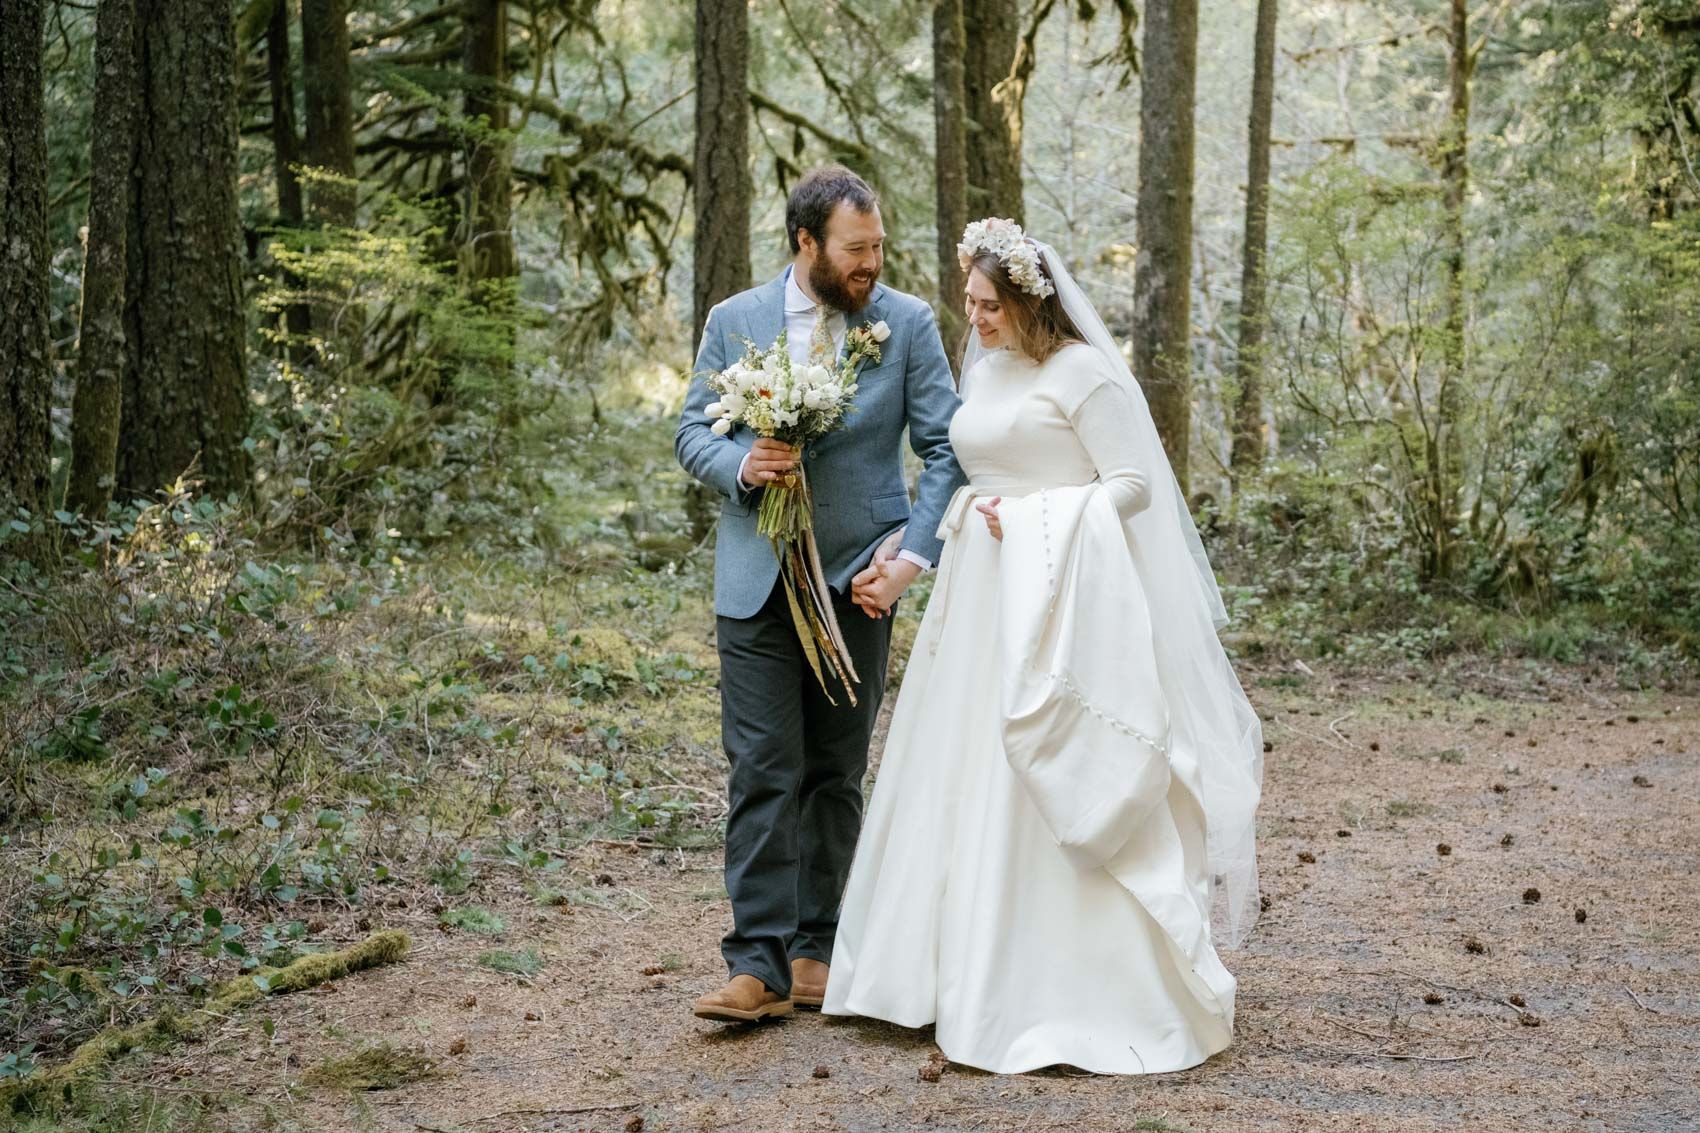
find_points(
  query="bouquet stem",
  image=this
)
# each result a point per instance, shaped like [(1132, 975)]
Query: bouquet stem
[(786, 518)]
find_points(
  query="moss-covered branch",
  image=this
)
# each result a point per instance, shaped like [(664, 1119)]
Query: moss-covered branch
[(309, 971)]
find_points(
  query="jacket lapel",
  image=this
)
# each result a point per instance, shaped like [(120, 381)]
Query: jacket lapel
[(768, 317)]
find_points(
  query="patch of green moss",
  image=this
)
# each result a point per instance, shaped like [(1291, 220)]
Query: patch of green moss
[(381, 1067), (474, 919), (526, 963)]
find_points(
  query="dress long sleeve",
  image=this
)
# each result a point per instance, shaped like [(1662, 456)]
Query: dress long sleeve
[(1102, 423)]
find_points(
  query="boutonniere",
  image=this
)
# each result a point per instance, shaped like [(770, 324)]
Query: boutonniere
[(863, 342)]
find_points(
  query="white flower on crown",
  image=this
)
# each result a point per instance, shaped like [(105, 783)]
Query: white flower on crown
[(1004, 239)]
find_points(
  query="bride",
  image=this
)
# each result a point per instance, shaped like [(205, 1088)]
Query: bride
[(1061, 833)]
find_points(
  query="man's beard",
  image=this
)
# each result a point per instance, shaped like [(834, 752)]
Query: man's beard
[(833, 289)]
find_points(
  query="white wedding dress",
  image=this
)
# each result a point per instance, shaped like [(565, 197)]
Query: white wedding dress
[(1031, 874)]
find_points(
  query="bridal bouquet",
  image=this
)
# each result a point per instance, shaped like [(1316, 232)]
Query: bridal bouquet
[(772, 396)]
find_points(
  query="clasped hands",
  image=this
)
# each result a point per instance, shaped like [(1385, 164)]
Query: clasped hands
[(877, 588)]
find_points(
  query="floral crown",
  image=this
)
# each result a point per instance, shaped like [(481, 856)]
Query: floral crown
[(1005, 240)]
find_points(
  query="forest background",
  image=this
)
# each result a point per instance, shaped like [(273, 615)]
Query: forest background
[(345, 556)]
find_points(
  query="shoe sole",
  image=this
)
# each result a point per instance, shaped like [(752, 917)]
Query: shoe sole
[(738, 1015), (812, 1002)]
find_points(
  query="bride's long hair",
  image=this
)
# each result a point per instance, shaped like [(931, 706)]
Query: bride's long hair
[(1040, 327)]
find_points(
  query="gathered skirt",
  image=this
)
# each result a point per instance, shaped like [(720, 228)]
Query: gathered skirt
[(961, 909)]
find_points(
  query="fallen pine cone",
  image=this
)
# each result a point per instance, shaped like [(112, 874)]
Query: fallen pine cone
[(654, 970), (822, 1072), (1529, 1019), (1642, 781), (634, 1123), (1433, 998), (1307, 857), (458, 1046), (1531, 895), (1474, 947), (1581, 915), (1443, 849), (1506, 841), (931, 1072)]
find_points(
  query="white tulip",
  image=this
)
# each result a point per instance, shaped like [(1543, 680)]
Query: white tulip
[(817, 375), (880, 331), (716, 409), (733, 403), (722, 427), (812, 399)]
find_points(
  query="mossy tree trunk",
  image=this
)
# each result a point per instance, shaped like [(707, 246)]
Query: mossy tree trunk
[(97, 406), (1249, 444), (26, 366), (1162, 276), (286, 156), (950, 181), (722, 191), (992, 35), (185, 389)]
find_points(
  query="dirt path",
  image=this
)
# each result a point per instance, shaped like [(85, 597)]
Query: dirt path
[(1362, 1006)]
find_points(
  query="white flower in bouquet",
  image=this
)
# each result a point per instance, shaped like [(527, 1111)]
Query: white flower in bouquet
[(880, 331), (722, 426)]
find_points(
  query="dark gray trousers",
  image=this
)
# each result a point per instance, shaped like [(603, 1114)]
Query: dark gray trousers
[(795, 790)]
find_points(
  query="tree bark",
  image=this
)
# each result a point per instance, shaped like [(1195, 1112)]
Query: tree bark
[(1446, 456), (722, 191), (328, 92), (1250, 443), (26, 364), (490, 239), (992, 35), (286, 155), (185, 389), (1162, 276), (950, 136), (97, 405)]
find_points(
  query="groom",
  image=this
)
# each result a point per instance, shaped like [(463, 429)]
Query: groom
[(797, 760)]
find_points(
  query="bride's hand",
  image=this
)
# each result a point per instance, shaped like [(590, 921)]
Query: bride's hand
[(989, 509)]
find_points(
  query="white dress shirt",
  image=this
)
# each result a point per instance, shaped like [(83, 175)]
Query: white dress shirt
[(799, 329)]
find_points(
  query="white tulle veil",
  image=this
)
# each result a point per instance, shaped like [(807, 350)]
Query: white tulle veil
[(1208, 711)]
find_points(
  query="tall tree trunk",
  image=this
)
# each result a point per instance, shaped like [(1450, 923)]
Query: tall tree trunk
[(950, 134), (328, 91), (1249, 444), (1162, 274), (1446, 455), (286, 155), (992, 35), (26, 365), (722, 190), (185, 386), (490, 240), (97, 405)]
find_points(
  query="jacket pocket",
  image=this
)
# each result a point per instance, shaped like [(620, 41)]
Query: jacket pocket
[(892, 508)]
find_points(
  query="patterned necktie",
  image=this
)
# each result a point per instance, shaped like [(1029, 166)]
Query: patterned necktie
[(821, 348)]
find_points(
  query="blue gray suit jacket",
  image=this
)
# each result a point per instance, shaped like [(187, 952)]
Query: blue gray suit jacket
[(856, 472)]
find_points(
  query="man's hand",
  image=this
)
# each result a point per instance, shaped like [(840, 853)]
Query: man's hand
[(878, 588), (768, 461), (888, 549)]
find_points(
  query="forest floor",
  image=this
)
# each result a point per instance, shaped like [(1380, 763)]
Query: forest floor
[(1480, 916)]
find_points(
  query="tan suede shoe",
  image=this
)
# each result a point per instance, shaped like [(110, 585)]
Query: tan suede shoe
[(743, 1000), (808, 982)]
